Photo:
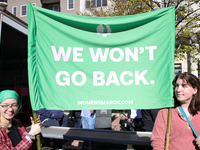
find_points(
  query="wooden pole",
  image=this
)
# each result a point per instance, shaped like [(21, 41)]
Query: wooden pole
[(37, 136), (168, 129)]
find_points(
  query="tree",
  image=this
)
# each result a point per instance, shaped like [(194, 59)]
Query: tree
[(187, 20)]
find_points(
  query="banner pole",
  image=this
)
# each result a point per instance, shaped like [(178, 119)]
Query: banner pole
[(37, 136), (168, 129)]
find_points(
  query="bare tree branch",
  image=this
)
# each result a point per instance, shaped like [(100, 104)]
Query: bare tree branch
[(187, 16), (169, 1), (185, 25), (193, 3), (178, 3), (157, 3), (165, 4), (148, 5)]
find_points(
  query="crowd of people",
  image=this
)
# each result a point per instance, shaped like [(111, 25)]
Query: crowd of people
[(184, 129)]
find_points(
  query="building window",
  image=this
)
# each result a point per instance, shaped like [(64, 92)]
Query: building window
[(55, 7), (70, 4), (95, 3), (23, 10), (5, 1), (14, 10)]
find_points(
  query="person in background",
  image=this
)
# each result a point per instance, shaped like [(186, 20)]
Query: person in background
[(13, 135), (135, 116), (76, 116), (148, 118), (88, 122), (187, 96), (53, 118)]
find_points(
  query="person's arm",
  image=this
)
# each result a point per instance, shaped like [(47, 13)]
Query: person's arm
[(31, 135), (159, 130), (53, 114), (35, 128), (27, 138), (57, 114), (45, 113)]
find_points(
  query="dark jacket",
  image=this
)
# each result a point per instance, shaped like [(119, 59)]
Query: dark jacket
[(148, 118), (76, 114), (50, 117)]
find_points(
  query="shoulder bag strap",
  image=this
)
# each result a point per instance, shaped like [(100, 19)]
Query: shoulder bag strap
[(185, 116)]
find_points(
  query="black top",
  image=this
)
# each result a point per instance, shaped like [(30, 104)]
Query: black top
[(148, 118), (76, 114), (14, 135)]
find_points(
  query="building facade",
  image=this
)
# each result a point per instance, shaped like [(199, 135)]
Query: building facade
[(19, 9)]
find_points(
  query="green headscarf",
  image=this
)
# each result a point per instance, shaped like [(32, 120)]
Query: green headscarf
[(5, 94)]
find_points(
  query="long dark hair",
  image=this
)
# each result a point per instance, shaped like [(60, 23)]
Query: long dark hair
[(192, 81)]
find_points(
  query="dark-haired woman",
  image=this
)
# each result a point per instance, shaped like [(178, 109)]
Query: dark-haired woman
[(182, 137)]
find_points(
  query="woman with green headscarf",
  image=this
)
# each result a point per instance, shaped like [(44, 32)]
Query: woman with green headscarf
[(13, 134)]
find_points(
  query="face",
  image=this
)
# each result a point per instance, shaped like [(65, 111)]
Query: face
[(7, 112), (184, 92)]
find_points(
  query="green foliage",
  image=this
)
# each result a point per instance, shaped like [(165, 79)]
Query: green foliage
[(187, 19)]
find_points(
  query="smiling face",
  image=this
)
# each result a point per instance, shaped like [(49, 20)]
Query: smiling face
[(184, 92), (7, 112)]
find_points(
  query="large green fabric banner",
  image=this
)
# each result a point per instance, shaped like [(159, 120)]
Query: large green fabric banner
[(80, 62)]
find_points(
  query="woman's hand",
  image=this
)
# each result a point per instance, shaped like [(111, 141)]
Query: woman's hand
[(35, 128), (198, 141), (38, 120)]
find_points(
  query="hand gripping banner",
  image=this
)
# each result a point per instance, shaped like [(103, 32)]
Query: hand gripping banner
[(80, 62)]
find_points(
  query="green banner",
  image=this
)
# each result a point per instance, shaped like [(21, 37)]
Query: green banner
[(80, 62)]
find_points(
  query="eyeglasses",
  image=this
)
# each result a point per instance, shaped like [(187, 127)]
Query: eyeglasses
[(14, 106)]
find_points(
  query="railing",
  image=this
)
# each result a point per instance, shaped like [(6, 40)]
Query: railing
[(5, 1), (50, 1), (98, 135)]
